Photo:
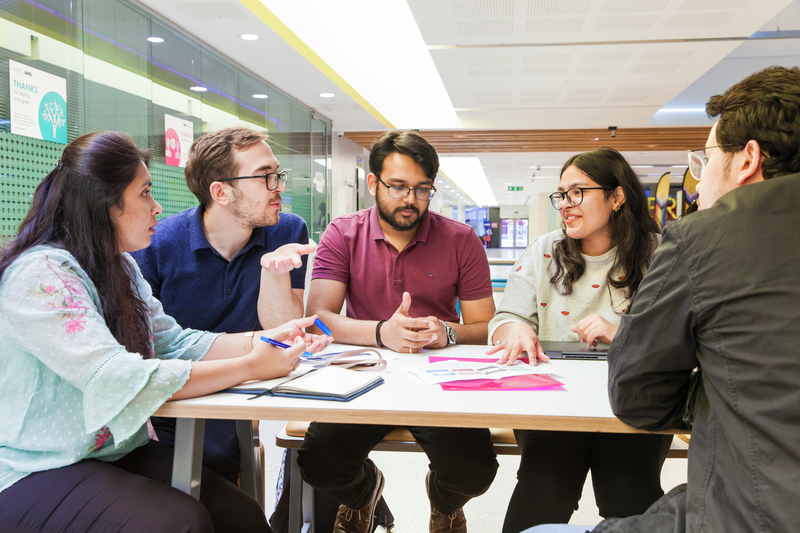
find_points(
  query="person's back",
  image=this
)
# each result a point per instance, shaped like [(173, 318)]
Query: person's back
[(711, 341), (743, 256)]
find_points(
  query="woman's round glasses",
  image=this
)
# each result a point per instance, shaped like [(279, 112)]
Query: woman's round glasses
[(574, 196), (272, 179)]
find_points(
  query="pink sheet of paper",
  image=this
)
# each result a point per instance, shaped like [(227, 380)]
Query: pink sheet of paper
[(523, 382)]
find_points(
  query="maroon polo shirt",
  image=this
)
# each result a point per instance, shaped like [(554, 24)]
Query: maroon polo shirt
[(444, 262)]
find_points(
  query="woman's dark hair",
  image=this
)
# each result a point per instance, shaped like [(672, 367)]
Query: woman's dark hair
[(764, 107), (71, 209), (408, 143), (632, 228)]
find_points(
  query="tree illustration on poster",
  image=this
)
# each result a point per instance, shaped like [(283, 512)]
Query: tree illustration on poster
[(53, 118)]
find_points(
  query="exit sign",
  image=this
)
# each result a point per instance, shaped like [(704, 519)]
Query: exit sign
[(517, 188)]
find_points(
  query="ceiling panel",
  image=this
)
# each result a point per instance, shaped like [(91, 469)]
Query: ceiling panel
[(492, 22)]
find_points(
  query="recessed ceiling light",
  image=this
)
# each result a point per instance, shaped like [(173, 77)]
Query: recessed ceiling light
[(249, 36), (678, 166), (439, 181), (155, 39), (326, 95), (597, 138), (446, 187), (259, 95), (198, 89), (641, 166)]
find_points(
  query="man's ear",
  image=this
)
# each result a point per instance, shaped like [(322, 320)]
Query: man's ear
[(748, 168), (372, 181), (220, 193)]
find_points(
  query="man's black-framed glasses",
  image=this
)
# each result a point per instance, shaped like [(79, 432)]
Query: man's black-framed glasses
[(574, 196), (399, 193), (271, 178)]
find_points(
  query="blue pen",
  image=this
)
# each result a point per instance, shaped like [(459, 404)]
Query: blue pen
[(280, 344), (321, 325)]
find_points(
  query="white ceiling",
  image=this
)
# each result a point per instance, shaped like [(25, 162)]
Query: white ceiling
[(529, 64)]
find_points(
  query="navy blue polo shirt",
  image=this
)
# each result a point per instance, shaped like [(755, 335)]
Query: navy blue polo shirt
[(201, 289)]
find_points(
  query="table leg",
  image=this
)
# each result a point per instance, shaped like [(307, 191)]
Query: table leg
[(296, 519), (187, 463), (250, 454)]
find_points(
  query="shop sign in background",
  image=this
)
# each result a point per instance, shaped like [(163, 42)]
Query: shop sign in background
[(178, 137)]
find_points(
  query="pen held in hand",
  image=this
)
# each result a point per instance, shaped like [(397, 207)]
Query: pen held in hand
[(280, 344), (321, 325)]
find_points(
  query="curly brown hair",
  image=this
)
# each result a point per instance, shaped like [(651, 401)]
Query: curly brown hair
[(764, 107)]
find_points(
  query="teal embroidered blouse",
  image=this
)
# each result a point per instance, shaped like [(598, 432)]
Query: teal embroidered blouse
[(68, 389)]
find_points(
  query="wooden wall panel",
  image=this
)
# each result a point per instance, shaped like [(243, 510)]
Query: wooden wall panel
[(626, 140)]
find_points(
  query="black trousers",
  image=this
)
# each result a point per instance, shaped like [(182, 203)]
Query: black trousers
[(129, 495), (626, 475), (220, 445), (333, 459)]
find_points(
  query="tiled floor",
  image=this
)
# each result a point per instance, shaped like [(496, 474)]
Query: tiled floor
[(405, 488)]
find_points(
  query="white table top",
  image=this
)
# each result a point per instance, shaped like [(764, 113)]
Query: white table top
[(403, 399)]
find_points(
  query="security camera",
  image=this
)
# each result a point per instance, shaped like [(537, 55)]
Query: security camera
[(538, 167), (340, 133)]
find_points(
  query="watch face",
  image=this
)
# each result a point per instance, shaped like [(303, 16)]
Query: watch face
[(451, 335)]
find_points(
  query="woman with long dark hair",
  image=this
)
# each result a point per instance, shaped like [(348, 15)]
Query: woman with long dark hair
[(88, 355), (574, 284)]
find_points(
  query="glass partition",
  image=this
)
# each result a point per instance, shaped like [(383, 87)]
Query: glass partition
[(118, 80)]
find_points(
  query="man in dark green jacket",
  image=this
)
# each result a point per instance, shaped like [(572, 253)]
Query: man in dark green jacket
[(712, 340)]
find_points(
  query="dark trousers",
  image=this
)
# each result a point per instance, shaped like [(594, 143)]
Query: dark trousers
[(333, 459), (129, 495), (220, 445), (626, 475)]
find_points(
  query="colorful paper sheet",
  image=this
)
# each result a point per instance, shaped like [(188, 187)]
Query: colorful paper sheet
[(522, 382)]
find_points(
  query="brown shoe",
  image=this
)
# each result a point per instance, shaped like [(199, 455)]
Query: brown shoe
[(454, 522), (359, 520)]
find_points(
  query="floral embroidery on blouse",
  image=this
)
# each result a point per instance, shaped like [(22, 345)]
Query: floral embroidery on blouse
[(66, 299), (100, 439)]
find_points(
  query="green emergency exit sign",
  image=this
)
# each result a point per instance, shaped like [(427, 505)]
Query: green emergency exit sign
[(517, 188)]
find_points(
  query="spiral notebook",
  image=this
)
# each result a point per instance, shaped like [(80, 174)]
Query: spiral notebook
[(329, 383)]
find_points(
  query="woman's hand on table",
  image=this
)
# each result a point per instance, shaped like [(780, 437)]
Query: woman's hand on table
[(595, 328), (293, 329), (513, 338)]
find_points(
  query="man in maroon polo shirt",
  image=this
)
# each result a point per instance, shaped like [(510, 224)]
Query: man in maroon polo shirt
[(401, 269)]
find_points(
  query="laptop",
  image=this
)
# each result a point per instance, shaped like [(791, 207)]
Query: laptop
[(574, 350)]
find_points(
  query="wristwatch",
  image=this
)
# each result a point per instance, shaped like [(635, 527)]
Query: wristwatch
[(452, 337)]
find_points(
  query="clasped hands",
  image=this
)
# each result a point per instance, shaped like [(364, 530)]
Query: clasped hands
[(515, 337), (402, 333)]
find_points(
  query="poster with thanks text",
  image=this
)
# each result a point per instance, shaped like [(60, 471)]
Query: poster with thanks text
[(38, 103)]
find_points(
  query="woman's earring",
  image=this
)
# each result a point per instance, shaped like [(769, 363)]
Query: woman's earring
[(617, 208)]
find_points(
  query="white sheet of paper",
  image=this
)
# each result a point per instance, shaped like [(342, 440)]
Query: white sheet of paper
[(451, 370)]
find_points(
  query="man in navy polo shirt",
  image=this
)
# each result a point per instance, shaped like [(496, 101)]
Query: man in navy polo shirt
[(233, 264)]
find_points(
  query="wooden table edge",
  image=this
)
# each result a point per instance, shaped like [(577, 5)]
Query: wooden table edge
[(404, 418)]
